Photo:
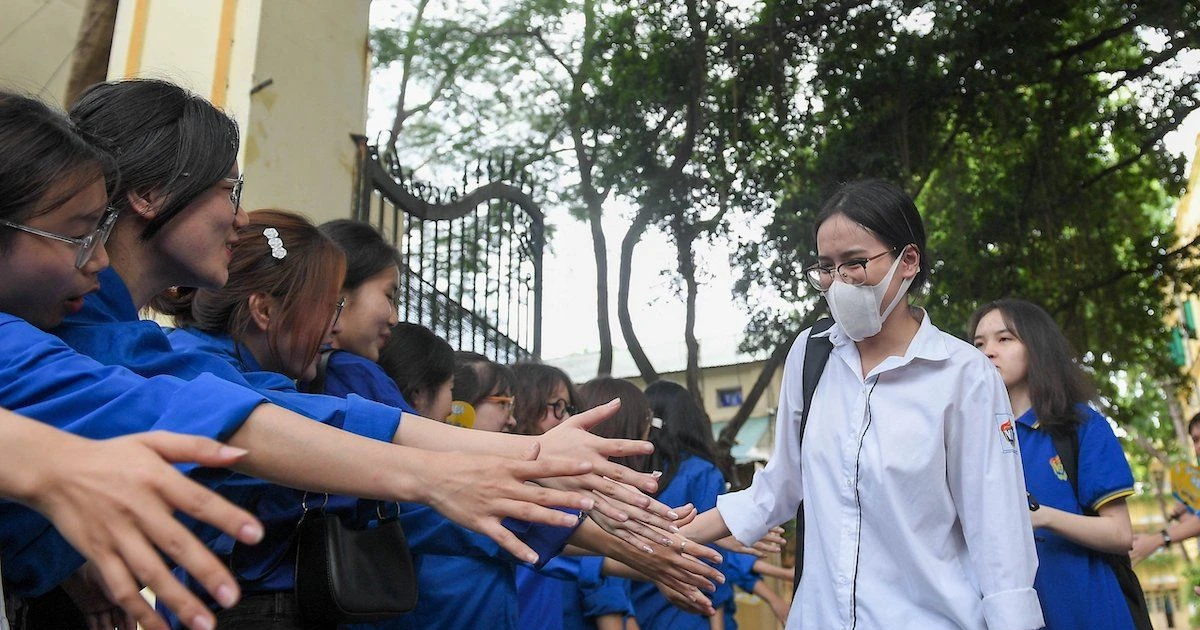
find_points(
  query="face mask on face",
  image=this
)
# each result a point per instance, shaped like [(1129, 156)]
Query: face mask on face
[(857, 309)]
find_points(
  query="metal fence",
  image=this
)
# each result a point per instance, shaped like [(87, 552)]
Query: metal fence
[(472, 256)]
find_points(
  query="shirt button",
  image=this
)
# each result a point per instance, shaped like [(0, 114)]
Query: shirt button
[(849, 482)]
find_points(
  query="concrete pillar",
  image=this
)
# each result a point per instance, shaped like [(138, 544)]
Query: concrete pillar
[(293, 73)]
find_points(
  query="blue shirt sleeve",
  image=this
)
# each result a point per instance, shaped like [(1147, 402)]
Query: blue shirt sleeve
[(348, 373), (1104, 473), (739, 569), (42, 378)]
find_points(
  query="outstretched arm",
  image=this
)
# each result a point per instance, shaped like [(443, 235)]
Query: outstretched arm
[(1110, 531), (114, 501), (1146, 544)]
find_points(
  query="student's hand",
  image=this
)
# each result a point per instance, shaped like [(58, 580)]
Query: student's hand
[(773, 542), (1143, 546), (479, 491), (676, 569), (86, 590), (115, 500), (572, 440), (693, 601)]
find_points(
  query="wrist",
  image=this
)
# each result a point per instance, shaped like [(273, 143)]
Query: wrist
[(1166, 538)]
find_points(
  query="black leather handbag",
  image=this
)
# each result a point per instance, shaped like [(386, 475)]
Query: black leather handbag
[(346, 575)]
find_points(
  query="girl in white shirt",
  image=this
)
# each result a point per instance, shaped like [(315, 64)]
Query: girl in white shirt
[(914, 501)]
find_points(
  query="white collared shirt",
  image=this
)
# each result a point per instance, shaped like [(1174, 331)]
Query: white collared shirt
[(3, 615), (914, 499)]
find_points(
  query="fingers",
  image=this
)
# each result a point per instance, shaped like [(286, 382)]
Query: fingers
[(646, 482), (702, 552), (149, 569), (545, 467), (122, 590), (205, 505), (509, 541), (175, 447), (594, 416)]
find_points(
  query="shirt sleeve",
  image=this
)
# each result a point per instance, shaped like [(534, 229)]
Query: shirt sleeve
[(1104, 473), (776, 490), (983, 471)]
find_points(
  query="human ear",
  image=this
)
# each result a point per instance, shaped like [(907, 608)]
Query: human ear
[(261, 308), (910, 261), (146, 206)]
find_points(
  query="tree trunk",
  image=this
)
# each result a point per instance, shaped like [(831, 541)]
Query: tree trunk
[(725, 441), (603, 325), (93, 44), (632, 236), (684, 238)]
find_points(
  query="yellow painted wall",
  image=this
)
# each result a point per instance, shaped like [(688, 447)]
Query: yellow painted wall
[(37, 38)]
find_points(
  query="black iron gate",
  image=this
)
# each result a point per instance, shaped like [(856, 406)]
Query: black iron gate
[(472, 260)]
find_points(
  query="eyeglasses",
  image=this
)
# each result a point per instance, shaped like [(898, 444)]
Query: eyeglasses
[(337, 312), (504, 401), (86, 245), (562, 408), (235, 195), (853, 272)]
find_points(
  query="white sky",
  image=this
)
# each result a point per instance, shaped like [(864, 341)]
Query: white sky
[(569, 302)]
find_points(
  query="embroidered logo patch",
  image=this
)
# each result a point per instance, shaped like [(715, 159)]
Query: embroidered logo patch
[(1008, 432), (1057, 467)]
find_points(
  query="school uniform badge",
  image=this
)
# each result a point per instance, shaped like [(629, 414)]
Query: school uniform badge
[(1007, 431), (1057, 466)]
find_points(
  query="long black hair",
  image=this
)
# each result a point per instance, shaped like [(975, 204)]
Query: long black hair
[(1056, 382), (685, 430), (628, 423), (477, 377), (40, 150), (884, 209), (166, 141), (418, 360), (367, 253)]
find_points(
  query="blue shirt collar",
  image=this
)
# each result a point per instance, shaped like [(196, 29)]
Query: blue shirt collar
[(112, 303), (221, 345)]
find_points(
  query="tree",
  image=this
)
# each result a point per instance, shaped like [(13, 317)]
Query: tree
[(1030, 135), (93, 44)]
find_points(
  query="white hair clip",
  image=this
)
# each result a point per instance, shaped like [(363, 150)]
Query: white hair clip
[(275, 242), (656, 423)]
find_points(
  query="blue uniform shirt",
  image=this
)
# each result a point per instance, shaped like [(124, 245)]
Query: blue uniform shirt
[(109, 331), (738, 569), (42, 378), (464, 578), (1076, 588), (594, 595), (697, 481)]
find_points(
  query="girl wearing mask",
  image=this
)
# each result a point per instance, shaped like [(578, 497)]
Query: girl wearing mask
[(1049, 394), (913, 497)]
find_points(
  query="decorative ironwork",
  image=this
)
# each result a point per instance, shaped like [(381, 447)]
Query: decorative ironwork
[(472, 261)]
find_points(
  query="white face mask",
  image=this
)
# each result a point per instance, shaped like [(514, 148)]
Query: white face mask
[(857, 309)]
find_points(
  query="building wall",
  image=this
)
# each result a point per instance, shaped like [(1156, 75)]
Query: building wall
[(293, 73), (37, 38)]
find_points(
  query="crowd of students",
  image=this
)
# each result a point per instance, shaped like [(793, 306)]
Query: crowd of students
[(928, 474)]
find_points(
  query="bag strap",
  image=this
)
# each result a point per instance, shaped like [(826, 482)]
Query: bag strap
[(1067, 445), (816, 355)]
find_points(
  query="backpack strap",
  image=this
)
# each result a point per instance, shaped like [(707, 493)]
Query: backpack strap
[(816, 355), (1067, 445)]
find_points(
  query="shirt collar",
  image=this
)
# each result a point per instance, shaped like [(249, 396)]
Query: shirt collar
[(1029, 418), (928, 344), (112, 303)]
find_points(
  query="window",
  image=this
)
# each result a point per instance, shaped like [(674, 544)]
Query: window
[(729, 397)]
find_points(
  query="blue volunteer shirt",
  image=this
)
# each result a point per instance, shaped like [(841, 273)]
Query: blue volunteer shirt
[(1076, 588), (109, 331), (738, 569), (42, 378), (594, 595), (697, 481), (463, 577)]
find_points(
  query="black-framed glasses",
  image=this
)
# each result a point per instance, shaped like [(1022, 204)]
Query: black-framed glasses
[(337, 311), (235, 195), (562, 409), (86, 245), (853, 272)]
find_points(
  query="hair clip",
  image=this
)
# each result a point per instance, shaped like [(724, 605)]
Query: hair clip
[(275, 242), (657, 423)]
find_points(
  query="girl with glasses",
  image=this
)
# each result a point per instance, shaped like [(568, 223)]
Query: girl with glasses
[(177, 239), (53, 180), (906, 466), (1077, 521)]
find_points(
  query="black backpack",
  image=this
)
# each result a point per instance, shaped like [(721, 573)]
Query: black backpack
[(816, 355), (1067, 445)]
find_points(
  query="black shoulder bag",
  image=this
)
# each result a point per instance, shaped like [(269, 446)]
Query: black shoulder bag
[(1067, 446), (816, 355), (346, 575)]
